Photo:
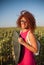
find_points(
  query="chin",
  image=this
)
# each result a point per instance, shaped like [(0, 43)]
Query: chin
[(24, 27)]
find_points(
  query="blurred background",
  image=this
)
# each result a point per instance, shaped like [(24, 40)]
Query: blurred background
[(9, 12)]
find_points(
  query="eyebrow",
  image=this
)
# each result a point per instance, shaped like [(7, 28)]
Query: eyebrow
[(23, 20)]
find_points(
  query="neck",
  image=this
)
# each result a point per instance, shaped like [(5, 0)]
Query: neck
[(24, 30)]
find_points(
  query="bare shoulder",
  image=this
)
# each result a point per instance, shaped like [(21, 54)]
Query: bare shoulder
[(31, 34), (32, 37)]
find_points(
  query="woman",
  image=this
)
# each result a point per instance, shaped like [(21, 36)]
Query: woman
[(26, 22)]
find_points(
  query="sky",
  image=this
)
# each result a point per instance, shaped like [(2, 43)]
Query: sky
[(10, 11)]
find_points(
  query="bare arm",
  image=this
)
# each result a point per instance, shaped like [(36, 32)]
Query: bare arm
[(33, 46)]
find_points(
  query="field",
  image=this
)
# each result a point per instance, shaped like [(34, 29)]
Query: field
[(6, 45)]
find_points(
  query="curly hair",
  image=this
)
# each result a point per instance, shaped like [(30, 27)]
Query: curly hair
[(29, 18)]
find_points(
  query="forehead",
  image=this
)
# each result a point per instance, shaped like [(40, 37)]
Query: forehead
[(23, 18)]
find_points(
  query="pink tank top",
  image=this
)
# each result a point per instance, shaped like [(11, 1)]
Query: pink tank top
[(26, 56), (24, 34), (23, 48)]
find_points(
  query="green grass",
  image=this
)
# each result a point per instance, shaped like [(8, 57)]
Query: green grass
[(6, 45)]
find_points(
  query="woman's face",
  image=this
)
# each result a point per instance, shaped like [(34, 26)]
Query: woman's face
[(24, 23)]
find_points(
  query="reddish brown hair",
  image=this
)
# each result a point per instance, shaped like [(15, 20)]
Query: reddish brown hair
[(30, 19)]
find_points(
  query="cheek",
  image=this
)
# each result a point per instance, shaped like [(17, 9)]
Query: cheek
[(23, 26)]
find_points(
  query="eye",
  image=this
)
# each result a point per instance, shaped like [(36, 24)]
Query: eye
[(23, 21)]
